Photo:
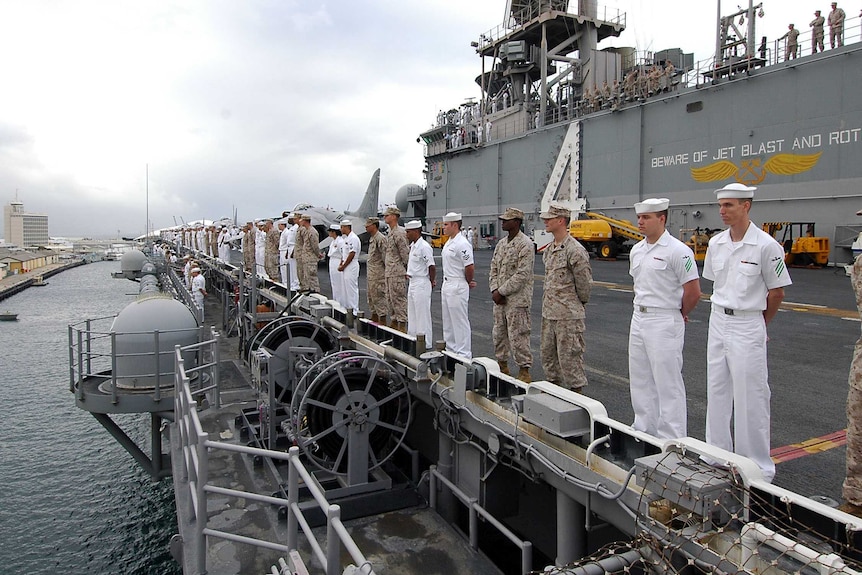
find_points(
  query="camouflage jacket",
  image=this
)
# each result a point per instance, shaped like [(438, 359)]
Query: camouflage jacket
[(567, 280), (512, 270)]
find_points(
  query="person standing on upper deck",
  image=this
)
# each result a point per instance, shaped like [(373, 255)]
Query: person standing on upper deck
[(568, 279), (421, 278), (457, 282), (397, 254), (283, 269), (817, 32), (836, 26), (747, 267), (349, 268), (307, 252), (851, 490), (270, 258), (666, 290), (248, 238), (336, 278), (511, 283), (792, 46), (375, 271)]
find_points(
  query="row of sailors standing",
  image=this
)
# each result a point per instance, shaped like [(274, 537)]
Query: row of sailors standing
[(745, 264), (638, 84), (212, 240)]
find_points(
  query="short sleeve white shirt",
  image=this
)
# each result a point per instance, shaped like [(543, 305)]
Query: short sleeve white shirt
[(745, 271), (660, 270), (457, 255), (420, 259)]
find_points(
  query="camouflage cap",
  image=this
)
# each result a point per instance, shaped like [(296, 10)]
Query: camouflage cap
[(556, 211), (392, 211), (512, 214), (306, 217), (373, 220)]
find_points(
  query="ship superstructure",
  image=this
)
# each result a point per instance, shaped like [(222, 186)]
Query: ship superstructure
[(562, 119)]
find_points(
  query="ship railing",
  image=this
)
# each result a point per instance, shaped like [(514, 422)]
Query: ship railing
[(519, 18), (851, 33), (93, 353), (196, 447), (476, 512)]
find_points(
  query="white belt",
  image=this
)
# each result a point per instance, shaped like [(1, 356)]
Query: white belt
[(462, 280), (735, 312), (645, 309)]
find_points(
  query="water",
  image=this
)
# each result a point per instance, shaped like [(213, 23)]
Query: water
[(73, 499)]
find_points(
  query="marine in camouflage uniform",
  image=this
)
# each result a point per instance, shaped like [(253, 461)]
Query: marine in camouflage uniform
[(511, 282), (270, 259), (397, 254), (567, 288), (307, 253), (375, 269), (248, 240), (852, 489)]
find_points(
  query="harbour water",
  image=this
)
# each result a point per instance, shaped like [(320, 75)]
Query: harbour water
[(73, 499)]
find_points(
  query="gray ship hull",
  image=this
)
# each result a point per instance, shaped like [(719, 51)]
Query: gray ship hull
[(794, 130)]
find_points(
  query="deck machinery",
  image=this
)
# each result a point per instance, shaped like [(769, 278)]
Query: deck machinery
[(561, 483), (537, 477)]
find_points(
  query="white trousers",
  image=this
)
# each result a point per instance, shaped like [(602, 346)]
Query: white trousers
[(283, 269), (350, 281), (455, 296), (419, 310), (224, 253), (737, 383), (294, 279), (655, 373), (336, 280)]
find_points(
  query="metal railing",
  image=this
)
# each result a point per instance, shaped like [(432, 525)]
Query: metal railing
[(93, 353), (516, 20), (195, 447), (475, 510)]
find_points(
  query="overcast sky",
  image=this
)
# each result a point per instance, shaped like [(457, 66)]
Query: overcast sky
[(254, 104)]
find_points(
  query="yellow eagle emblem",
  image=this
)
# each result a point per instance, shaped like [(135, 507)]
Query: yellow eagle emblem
[(753, 172)]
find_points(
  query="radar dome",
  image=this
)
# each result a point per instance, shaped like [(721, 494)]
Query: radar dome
[(132, 262), (406, 191), (138, 357)]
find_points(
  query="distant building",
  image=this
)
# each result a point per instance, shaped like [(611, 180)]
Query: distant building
[(23, 229)]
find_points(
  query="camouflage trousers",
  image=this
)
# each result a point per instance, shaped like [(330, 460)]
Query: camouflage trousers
[(376, 287), (306, 271), (563, 352), (852, 489), (248, 261), (270, 264), (396, 298), (512, 333)]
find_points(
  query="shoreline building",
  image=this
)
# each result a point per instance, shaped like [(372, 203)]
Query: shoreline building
[(24, 229)]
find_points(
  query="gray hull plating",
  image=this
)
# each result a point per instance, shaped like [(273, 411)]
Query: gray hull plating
[(794, 130)]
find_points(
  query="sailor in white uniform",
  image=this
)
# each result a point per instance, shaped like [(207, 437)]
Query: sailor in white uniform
[(350, 249), (421, 277), (666, 288), (747, 266), (336, 278), (283, 268), (291, 243), (260, 250), (199, 289), (457, 282)]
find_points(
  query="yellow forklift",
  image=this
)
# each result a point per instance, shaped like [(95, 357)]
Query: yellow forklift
[(802, 248)]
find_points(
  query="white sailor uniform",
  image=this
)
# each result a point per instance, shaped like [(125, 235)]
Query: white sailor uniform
[(419, 290), (657, 334), (455, 295), (737, 376), (350, 275), (336, 278)]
